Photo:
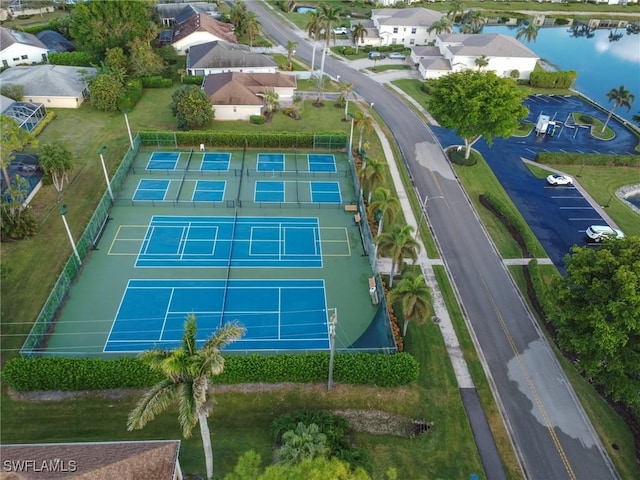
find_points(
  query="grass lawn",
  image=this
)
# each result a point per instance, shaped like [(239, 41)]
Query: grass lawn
[(385, 68), (412, 88)]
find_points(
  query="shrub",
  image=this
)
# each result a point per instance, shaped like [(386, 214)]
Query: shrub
[(45, 121), (132, 93), (512, 220), (256, 119), (192, 79), (543, 79), (156, 81), (76, 59), (73, 374), (600, 159), (12, 90)]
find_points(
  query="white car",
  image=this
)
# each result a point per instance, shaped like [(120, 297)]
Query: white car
[(597, 233), (556, 179), (341, 31)]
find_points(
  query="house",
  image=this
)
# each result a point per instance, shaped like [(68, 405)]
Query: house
[(55, 86), (19, 48), (237, 96), (406, 26), (27, 115), (172, 13), (505, 55), (199, 29), (146, 460), (219, 57), (55, 42)]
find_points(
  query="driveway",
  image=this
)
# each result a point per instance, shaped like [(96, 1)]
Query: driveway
[(557, 215)]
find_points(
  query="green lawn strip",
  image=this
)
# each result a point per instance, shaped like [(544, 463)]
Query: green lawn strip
[(412, 88), (476, 180), (595, 124), (498, 430), (312, 85), (610, 426), (384, 68)]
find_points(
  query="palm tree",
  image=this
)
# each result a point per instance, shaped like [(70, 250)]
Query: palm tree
[(384, 206), (363, 122), (621, 98), (329, 18), (414, 296), (636, 118), (358, 32), (372, 176), (251, 26), (482, 62), (473, 21), (444, 25), (346, 90), (291, 48), (237, 13), (398, 244), (456, 9), (271, 98), (529, 32), (187, 370), (313, 30)]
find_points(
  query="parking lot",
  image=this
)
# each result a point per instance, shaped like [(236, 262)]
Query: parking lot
[(558, 215)]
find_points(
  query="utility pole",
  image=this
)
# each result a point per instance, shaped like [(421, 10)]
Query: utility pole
[(332, 345)]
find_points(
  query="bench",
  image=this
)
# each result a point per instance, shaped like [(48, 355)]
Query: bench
[(351, 208), (356, 218), (372, 283)]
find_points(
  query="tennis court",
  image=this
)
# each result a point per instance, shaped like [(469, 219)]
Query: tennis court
[(152, 313), (264, 238)]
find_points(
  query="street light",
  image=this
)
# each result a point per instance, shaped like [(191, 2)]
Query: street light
[(424, 212), (63, 214), (337, 78), (126, 119), (353, 117), (104, 169), (332, 345)]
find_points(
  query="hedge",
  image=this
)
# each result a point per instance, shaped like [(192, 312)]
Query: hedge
[(156, 81), (45, 121), (131, 95), (595, 159), (192, 79), (76, 374), (513, 220), (74, 59), (256, 119), (543, 79)]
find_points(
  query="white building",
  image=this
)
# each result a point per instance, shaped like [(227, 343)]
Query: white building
[(19, 48), (504, 55), (406, 26)]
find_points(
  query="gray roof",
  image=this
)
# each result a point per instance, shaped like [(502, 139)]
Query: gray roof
[(435, 64), (426, 51), (5, 103), (47, 80), (220, 54), (407, 17), (489, 44), (55, 42), (9, 37)]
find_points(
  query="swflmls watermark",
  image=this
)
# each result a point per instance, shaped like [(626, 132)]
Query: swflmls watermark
[(53, 465)]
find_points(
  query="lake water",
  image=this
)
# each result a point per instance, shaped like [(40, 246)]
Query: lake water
[(601, 64)]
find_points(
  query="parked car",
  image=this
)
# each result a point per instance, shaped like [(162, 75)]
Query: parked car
[(340, 31), (376, 56), (557, 179), (597, 233), (397, 56)]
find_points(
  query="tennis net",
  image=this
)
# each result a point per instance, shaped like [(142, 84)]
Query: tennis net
[(226, 282)]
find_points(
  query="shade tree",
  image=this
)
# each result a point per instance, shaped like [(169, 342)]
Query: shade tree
[(192, 107)]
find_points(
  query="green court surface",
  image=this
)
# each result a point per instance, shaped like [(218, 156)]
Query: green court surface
[(196, 231)]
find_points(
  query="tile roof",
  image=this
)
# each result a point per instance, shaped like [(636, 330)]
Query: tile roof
[(204, 23), (9, 37), (150, 460), (406, 17), (220, 54), (236, 88), (489, 44), (47, 80), (422, 51)]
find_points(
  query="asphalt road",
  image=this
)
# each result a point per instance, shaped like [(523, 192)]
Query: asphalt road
[(552, 435)]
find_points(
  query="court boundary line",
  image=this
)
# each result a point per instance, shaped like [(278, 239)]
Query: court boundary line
[(116, 239), (346, 240)]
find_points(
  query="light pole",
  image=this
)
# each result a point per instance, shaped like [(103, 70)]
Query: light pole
[(353, 118), (424, 212), (332, 345), (63, 214), (104, 169), (126, 119)]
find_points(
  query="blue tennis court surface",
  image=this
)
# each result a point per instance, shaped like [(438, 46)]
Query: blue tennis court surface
[(267, 191), (216, 161), (270, 162), (163, 161), (281, 242), (322, 163), (278, 314), (151, 189), (325, 192), (209, 190)]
